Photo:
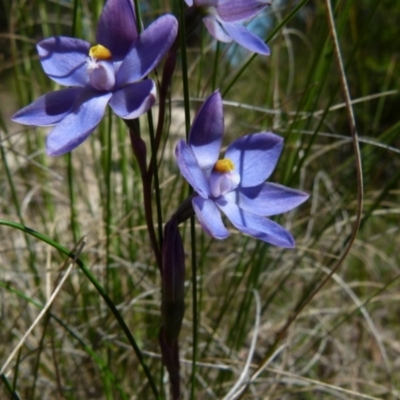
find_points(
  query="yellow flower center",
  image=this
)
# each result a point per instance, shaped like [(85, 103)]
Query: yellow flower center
[(224, 165), (99, 52)]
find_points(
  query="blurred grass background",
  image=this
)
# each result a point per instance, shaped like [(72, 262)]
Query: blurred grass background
[(345, 344)]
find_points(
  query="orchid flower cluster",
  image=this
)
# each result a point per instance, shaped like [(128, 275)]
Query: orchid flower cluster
[(114, 72)]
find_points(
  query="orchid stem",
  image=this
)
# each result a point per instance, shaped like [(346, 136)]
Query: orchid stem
[(139, 149), (185, 81), (153, 172)]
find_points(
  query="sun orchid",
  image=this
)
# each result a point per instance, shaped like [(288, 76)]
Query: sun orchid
[(222, 19), (110, 72), (235, 184)]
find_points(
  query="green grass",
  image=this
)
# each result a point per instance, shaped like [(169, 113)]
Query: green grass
[(99, 337)]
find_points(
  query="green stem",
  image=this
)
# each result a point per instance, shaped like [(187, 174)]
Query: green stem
[(71, 194), (13, 393), (108, 200), (70, 172), (138, 16), (215, 70), (99, 289)]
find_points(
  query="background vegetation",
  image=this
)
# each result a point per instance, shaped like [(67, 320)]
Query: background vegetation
[(343, 344)]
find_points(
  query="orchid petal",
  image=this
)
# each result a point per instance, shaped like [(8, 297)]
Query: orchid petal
[(206, 133), (148, 49), (239, 10), (190, 169), (266, 199), (189, 2), (78, 124), (216, 30), (209, 217), (116, 28), (245, 38), (64, 60), (255, 156), (48, 109), (134, 100), (255, 225)]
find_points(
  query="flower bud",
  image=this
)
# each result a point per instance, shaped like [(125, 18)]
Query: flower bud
[(173, 280)]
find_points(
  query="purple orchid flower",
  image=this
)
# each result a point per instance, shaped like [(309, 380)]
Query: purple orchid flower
[(235, 184), (222, 17), (111, 72)]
